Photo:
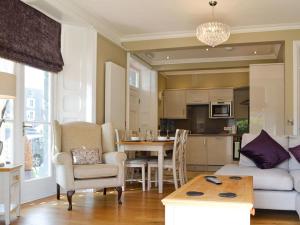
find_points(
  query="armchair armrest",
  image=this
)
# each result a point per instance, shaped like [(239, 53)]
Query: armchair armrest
[(114, 157), (62, 158)]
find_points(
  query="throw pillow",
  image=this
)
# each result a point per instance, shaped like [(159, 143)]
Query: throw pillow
[(265, 152), (85, 156), (296, 152)]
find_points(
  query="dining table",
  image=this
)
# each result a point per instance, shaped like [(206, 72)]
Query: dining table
[(150, 146)]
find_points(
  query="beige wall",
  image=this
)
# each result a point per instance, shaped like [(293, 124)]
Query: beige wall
[(106, 51), (286, 36), (208, 81)]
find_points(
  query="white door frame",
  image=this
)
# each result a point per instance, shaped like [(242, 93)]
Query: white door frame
[(296, 87)]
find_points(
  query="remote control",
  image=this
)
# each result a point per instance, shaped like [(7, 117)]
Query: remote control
[(213, 180)]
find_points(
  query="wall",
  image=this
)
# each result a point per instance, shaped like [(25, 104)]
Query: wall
[(208, 80), (162, 85), (286, 36), (106, 51)]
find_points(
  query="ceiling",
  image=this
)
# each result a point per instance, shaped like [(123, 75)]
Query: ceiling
[(146, 19), (261, 51)]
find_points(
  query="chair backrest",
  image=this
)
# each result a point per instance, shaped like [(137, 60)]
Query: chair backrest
[(177, 147), (72, 135), (108, 138), (119, 135)]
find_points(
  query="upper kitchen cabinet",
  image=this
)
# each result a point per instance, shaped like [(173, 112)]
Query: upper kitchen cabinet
[(194, 97), (175, 104), (217, 95), (267, 98)]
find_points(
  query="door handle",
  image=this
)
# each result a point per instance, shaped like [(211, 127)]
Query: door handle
[(24, 126)]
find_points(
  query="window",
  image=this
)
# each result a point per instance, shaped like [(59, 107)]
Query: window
[(134, 76), (37, 116)]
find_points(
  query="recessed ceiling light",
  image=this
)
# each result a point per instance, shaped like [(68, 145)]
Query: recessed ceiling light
[(228, 48), (206, 49), (168, 57), (255, 52)]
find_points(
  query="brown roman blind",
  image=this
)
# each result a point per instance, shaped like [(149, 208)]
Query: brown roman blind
[(29, 36)]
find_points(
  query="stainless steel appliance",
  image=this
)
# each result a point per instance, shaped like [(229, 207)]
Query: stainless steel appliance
[(220, 110)]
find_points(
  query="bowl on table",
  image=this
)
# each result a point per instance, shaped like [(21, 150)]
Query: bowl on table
[(162, 138), (135, 139)]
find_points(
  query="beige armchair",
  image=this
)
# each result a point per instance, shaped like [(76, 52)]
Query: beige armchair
[(97, 176)]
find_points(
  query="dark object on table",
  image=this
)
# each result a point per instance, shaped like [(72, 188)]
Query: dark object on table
[(235, 178), (213, 180), (194, 193), (227, 195)]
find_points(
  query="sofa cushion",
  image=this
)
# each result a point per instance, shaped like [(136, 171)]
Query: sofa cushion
[(264, 179), (293, 163), (95, 171), (264, 151), (295, 152), (296, 177)]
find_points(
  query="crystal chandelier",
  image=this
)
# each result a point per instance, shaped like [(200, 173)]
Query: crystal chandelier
[(213, 33)]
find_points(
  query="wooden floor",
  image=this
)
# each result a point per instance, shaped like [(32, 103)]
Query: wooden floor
[(138, 208)]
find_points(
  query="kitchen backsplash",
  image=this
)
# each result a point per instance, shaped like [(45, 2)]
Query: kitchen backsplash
[(197, 122)]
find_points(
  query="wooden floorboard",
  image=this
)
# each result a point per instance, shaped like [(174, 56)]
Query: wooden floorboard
[(138, 208)]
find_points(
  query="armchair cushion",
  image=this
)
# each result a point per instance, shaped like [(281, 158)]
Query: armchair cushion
[(84, 156), (62, 158), (95, 171)]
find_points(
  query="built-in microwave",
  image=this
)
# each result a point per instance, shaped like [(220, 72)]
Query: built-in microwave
[(220, 109)]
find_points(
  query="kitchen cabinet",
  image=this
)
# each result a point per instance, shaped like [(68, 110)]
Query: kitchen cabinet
[(175, 104), (196, 150), (194, 97), (216, 95), (209, 150), (219, 150)]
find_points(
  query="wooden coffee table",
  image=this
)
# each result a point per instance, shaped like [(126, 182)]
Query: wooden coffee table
[(209, 208)]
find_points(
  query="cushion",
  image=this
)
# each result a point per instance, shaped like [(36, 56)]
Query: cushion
[(296, 152), (265, 152), (282, 140), (296, 177), (95, 171), (293, 163), (84, 156), (264, 179)]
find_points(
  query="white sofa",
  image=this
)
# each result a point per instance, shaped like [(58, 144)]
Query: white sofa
[(277, 188)]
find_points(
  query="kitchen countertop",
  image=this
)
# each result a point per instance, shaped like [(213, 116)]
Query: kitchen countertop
[(214, 135)]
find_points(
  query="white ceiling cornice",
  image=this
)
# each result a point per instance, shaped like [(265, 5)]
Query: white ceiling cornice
[(207, 60), (192, 33), (199, 72)]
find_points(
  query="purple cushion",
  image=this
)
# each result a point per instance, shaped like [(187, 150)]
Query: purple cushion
[(296, 152), (265, 152)]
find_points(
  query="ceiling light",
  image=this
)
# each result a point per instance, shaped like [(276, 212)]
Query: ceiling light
[(213, 33), (228, 48), (255, 52), (168, 57), (206, 49)]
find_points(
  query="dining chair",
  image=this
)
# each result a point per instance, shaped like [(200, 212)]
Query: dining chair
[(183, 171), (172, 163), (132, 163)]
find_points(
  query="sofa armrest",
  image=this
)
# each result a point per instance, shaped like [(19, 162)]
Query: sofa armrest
[(114, 157), (62, 158)]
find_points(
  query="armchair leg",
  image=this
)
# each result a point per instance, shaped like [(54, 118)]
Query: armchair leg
[(69, 196), (119, 190), (57, 192), (104, 191)]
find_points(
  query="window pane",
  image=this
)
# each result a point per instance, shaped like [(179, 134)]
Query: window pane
[(134, 78), (6, 136), (6, 65), (37, 95), (37, 151)]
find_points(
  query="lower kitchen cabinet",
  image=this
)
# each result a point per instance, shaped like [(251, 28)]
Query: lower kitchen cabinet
[(208, 152)]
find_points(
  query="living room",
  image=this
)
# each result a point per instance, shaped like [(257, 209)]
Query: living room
[(128, 85)]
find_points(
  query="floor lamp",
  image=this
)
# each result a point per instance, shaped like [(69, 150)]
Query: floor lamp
[(7, 91)]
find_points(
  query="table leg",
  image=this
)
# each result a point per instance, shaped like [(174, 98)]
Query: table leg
[(160, 170), (7, 199)]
